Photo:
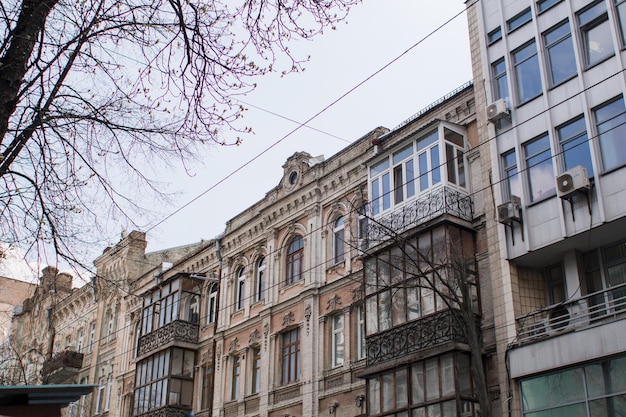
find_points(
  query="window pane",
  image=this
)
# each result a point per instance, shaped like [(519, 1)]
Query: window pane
[(611, 125), (562, 60), (621, 14), (374, 396), (447, 376), (501, 88), (410, 178), (527, 72), (519, 20), (512, 185), (401, 388), (546, 4), (539, 165), (436, 168), (417, 384), (596, 33), (494, 35), (388, 392), (573, 139), (386, 181), (432, 380), (553, 390)]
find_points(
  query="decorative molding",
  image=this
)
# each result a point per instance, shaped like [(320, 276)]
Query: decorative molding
[(255, 336), (357, 293), (333, 303), (307, 315), (234, 345), (332, 407), (266, 331), (288, 319), (178, 330), (218, 353)]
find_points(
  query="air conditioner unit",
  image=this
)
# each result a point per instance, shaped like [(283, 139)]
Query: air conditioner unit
[(572, 181), (510, 211), (498, 110)]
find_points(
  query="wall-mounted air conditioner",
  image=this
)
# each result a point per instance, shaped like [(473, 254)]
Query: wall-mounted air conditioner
[(510, 211), (498, 110), (572, 181)]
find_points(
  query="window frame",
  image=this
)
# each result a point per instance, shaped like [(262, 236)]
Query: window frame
[(260, 279), (579, 139), (240, 289), (339, 233), (553, 45), (290, 356), (337, 345), (511, 178), (361, 352), (211, 315), (586, 26), (499, 76), (294, 260), (519, 20), (255, 371), (550, 4), (235, 377), (525, 66), (495, 35), (605, 136), (533, 167)]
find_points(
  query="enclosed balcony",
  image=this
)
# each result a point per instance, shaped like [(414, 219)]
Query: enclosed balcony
[(63, 367), (171, 315)]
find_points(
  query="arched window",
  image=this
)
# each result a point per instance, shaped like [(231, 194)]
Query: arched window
[(260, 280), (295, 253), (211, 315), (240, 291), (338, 240)]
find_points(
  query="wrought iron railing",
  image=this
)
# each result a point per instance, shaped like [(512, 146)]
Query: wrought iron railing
[(572, 315), (62, 366), (178, 330), (441, 200), (167, 411), (429, 331)]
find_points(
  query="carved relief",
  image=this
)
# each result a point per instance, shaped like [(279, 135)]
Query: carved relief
[(288, 319), (255, 336), (234, 345), (333, 303)]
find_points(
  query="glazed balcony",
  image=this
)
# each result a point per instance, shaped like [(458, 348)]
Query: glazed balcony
[(177, 332), (573, 315), (430, 331), (63, 367), (443, 200)]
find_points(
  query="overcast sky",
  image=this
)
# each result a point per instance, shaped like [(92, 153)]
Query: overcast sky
[(376, 33)]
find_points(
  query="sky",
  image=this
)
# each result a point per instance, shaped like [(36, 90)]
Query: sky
[(387, 62), (376, 33)]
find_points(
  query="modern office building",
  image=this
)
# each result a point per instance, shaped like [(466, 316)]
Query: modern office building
[(550, 85)]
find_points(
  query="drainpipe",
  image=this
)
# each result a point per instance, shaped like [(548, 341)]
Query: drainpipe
[(218, 251)]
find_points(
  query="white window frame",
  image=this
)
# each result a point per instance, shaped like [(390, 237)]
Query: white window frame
[(261, 276), (337, 340), (361, 352), (240, 289), (211, 315), (339, 235)]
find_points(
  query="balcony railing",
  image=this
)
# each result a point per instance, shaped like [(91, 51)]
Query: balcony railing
[(573, 315), (429, 331), (167, 411), (439, 201), (176, 331), (62, 367)]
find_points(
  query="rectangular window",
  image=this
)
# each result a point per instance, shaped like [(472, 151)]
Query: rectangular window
[(543, 5), (539, 168), (240, 292), (101, 396), (207, 387), (595, 31), (92, 337), (527, 74), (501, 86), (360, 332), (428, 160), (556, 284), (575, 145), (560, 51), (291, 356), (511, 183), (235, 378), (611, 125), (494, 36), (519, 20), (260, 279), (255, 383), (338, 240), (620, 5), (337, 339), (212, 305)]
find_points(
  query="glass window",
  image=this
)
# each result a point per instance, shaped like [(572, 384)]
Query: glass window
[(575, 145), (92, 337), (212, 304), (495, 35), (207, 387), (539, 168), (338, 240), (556, 284), (428, 161), (611, 125), (240, 290), (543, 5), (236, 377), (621, 14), (455, 157), (194, 309), (291, 356), (360, 332), (255, 385), (260, 279), (519, 20), (527, 74), (337, 339), (596, 33), (80, 340), (295, 253), (501, 86), (560, 51), (511, 182), (381, 186)]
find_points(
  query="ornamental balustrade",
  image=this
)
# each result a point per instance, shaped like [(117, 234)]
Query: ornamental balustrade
[(440, 201), (429, 331), (63, 366), (176, 331), (167, 411)]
